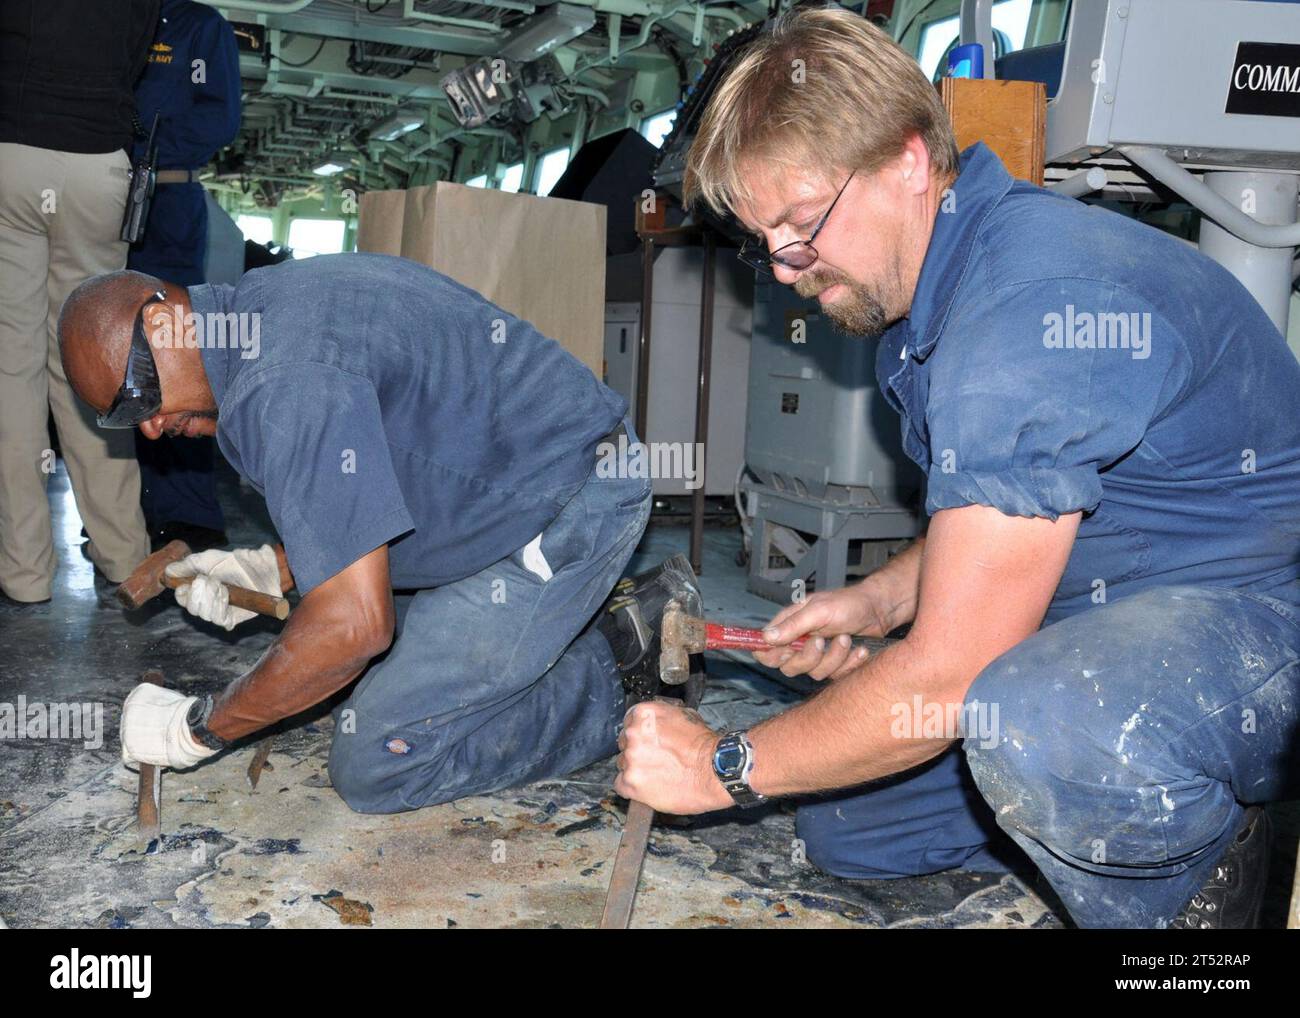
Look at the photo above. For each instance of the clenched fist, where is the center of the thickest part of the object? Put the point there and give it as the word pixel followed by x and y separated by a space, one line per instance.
pixel 829 620
pixel 667 759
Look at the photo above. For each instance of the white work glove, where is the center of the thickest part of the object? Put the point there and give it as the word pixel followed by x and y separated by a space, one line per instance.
pixel 155 729
pixel 208 597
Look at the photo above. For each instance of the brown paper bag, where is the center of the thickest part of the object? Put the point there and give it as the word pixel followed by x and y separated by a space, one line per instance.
pixel 379 222
pixel 541 259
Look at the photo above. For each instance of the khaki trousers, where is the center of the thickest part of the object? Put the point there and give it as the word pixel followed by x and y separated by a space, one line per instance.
pixel 60 213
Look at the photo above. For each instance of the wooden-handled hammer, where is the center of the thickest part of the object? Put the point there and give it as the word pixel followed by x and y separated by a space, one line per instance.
pixel 150 578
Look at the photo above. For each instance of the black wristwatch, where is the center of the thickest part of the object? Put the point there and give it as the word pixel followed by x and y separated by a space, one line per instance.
pixel 733 760
pixel 197 719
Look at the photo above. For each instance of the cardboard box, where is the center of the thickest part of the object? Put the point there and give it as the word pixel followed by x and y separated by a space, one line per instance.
pixel 541 259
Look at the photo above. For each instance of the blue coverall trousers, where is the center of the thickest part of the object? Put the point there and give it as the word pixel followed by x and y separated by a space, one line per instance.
pixel 1129 738
pixel 496 680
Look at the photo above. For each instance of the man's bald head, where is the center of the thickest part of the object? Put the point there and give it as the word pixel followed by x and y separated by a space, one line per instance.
pixel 95 327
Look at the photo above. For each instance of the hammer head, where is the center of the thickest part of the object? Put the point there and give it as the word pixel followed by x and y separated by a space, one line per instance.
pixel 681 634
pixel 146 582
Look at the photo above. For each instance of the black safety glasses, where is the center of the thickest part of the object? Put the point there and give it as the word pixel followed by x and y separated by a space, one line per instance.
pixel 140 396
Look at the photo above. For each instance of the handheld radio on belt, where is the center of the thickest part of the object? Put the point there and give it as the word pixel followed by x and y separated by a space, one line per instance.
pixel 144 174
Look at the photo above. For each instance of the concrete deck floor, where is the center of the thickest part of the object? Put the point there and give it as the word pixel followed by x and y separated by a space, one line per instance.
pixel 291 854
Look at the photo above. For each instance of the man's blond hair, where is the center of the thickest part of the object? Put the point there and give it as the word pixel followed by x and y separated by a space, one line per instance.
pixel 820 88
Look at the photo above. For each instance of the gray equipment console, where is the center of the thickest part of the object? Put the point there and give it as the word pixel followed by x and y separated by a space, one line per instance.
pixel 1153 92
pixel 825 448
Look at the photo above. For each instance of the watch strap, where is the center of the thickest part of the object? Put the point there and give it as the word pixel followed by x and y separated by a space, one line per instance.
pixel 197 719
pixel 736 780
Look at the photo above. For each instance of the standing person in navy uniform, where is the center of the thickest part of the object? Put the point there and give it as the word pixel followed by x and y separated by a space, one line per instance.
pixel 67 71
pixel 192 83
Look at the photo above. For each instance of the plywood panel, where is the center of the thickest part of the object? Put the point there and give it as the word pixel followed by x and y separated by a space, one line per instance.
pixel 1010 117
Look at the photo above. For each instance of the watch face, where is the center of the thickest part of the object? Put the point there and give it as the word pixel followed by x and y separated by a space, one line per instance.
pixel 728 758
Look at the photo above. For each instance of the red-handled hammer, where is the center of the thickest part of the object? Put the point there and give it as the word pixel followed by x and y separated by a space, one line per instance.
pixel 683 634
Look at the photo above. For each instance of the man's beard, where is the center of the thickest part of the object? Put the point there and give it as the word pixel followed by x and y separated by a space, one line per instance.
pixel 859 313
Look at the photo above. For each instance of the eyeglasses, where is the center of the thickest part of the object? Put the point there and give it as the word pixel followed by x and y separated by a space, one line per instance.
pixel 140 396
pixel 798 254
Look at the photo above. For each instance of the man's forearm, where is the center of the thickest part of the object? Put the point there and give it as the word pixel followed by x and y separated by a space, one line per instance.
pixel 280 685
pixel 318 653
pixel 843 736
pixel 895 586
pixel 327 642
pixel 848 732
pixel 986 581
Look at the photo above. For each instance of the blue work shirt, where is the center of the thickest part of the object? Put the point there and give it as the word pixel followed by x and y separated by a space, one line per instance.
pixel 389 403
pixel 197 118
pixel 1179 438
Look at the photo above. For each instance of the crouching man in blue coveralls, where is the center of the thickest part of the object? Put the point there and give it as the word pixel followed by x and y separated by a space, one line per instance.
pixel 407 435
pixel 1105 609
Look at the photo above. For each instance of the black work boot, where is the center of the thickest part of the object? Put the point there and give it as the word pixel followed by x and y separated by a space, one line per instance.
pixel 12 606
pixel 1231 898
pixel 629 621
pixel 197 537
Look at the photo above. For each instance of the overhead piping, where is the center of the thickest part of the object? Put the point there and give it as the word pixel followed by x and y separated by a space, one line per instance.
pixel 1205 201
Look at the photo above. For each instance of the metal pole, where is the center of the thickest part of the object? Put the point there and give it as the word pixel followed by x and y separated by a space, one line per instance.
pixel 149 788
pixel 580 120
pixel 1293 920
pixel 625 874
pixel 643 349
pixel 702 404
pixel 1086 182
pixel 977 26
pixel 1210 203
pixel 1269 198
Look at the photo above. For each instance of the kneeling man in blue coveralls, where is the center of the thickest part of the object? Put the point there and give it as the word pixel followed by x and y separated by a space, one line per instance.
pixel 1102 658
pixel 408 435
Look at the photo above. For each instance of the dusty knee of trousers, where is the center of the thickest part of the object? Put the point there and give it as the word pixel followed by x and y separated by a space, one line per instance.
pixel 1006 744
